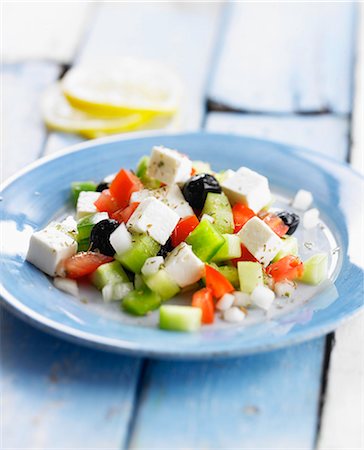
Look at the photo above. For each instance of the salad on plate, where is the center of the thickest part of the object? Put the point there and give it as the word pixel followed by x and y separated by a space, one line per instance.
pixel 175 226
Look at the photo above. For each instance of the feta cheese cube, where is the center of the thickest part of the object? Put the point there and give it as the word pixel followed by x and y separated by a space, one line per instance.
pixel 247 187
pixel 172 196
pixel 225 302
pixel 285 288
pixel 67 285
pixel 152 265
pixel 110 178
pixel 260 240
pixel 48 247
pixel 85 203
pixel 121 239
pixel 69 225
pixel 234 315
pixel 207 217
pixel 311 218
pixel 241 299
pixel 141 195
pixel 184 266
pixel 302 200
pixel 154 218
pixel 116 292
pixel 262 297
pixel 169 166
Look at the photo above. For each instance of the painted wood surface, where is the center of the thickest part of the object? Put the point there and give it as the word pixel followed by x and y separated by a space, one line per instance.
pixel 49 31
pixel 325 134
pixel 287 57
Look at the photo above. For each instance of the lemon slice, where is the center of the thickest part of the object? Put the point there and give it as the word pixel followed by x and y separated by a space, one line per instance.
pixel 128 86
pixel 59 115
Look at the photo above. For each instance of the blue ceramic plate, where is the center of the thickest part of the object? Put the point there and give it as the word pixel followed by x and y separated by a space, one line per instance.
pixel 41 192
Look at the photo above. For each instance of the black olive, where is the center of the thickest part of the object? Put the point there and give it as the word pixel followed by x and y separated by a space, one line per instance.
pixel 166 248
pixel 102 186
pixel 290 219
pixel 100 236
pixel 197 187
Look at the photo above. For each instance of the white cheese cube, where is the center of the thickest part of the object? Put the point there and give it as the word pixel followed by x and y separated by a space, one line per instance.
pixel 311 218
pixel 234 315
pixel 139 196
pixel 69 225
pixel 241 299
pixel 67 285
pixel 152 265
pixel 184 266
pixel 285 288
pixel 260 240
pixel 172 196
pixel 121 239
pixel 225 302
pixel 154 218
pixel 48 247
pixel 262 297
pixel 85 203
pixel 302 200
pixel 169 166
pixel 116 292
pixel 247 187
pixel 109 178
pixel 207 217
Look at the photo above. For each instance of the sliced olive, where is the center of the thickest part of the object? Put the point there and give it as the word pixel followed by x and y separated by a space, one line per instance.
pixel 290 219
pixel 100 236
pixel 166 248
pixel 197 187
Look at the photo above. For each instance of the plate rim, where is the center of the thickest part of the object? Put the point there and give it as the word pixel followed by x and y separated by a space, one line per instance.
pixel 88 339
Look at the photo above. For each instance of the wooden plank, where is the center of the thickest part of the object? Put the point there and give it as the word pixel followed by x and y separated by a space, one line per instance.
pixel 325 134
pixel 43 31
pixel 179 34
pixel 57 395
pixel 265 401
pixel 286 57
pixel 343 413
pixel 23 129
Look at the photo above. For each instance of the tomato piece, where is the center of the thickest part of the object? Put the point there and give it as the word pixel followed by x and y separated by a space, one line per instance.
pixel 241 214
pixel 275 223
pixel 123 185
pixel 124 214
pixel 106 202
pixel 84 263
pixel 217 282
pixel 183 228
pixel 245 256
pixel 203 299
pixel 193 171
pixel 288 268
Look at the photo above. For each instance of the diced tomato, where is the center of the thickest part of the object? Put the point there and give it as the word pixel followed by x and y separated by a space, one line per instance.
pixel 84 263
pixel 123 185
pixel 124 214
pixel 217 282
pixel 183 228
pixel 288 268
pixel 193 171
pixel 203 299
pixel 245 256
pixel 275 223
pixel 241 214
pixel 106 202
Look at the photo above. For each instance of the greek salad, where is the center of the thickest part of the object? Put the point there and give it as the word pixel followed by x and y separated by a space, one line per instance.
pixel 174 225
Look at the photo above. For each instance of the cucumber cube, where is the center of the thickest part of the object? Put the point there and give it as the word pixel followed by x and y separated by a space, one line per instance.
pixel 83 246
pixel 179 318
pixel 205 240
pixel 141 301
pixel 143 248
pixel 289 247
pixel 78 186
pixel 250 276
pixel 109 273
pixel 218 207
pixel 230 249
pixel 231 274
pixel 315 269
pixel 163 284
pixel 141 172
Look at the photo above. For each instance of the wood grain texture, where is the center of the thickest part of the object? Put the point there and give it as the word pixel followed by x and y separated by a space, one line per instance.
pixel 23 129
pixel 57 395
pixel 43 30
pixel 267 401
pixel 180 35
pixel 287 57
pixel 325 134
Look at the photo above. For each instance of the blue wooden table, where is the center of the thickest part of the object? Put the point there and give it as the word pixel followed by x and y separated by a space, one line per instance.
pixel 278 70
